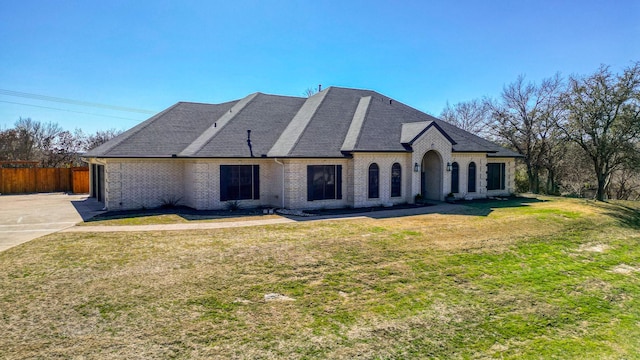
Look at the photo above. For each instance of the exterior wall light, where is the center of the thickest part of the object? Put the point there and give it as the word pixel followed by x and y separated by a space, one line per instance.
pixel 416 168
pixel 448 166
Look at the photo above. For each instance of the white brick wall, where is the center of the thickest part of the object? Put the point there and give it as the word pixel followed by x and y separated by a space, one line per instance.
pixel 481 160
pixel 202 182
pixel 361 163
pixel 463 160
pixel 510 169
pixel 148 183
pixel 296 183
pixel 432 139
pixel 141 183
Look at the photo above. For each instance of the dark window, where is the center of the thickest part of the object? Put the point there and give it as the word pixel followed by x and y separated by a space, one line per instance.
pixel 324 182
pixel 239 182
pixel 374 181
pixel 471 186
pixel 495 176
pixel 396 177
pixel 455 178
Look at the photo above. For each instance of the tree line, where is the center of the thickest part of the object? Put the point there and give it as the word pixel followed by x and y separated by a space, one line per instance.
pixel 576 135
pixel 48 144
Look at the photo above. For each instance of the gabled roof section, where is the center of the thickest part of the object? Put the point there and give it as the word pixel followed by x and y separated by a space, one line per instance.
pixel 291 134
pixel 164 134
pixel 267 116
pixel 218 125
pixel 412 131
pixel 353 133
pixel 468 142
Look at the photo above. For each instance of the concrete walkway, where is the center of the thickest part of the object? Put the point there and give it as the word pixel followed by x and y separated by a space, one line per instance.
pixel 382 214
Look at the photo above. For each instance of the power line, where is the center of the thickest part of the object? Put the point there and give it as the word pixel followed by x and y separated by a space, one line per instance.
pixel 71 101
pixel 73 111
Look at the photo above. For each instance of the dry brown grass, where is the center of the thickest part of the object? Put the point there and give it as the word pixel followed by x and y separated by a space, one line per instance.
pixel 408 287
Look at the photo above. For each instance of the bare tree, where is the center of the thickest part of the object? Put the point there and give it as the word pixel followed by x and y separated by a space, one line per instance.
pixel 603 118
pixel 574 171
pixel 524 119
pixel 65 150
pixel 48 143
pixel 25 147
pixel 100 137
pixel 472 116
pixel 35 139
pixel 9 144
pixel 309 92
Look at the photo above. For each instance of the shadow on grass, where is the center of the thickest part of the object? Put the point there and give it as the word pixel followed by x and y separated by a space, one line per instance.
pixel 188 214
pixel 500 203
pixel 480 207
pixel 626 212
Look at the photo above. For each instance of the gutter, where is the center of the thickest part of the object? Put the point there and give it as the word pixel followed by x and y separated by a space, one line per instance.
pixel 281 164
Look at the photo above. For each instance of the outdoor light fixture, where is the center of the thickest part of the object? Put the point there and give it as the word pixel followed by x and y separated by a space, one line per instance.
pixel 416 168
pixel 448 166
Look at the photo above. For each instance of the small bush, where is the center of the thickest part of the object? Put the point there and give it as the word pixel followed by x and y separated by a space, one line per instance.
pixel 232 205
pixel 170 202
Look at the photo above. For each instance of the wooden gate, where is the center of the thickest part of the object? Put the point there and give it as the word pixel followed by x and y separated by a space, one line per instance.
pixel 80 180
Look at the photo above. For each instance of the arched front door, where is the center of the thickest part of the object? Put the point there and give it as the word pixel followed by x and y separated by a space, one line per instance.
pixel 431 176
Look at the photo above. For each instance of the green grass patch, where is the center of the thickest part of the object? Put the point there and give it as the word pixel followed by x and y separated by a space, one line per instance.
pixel 558 278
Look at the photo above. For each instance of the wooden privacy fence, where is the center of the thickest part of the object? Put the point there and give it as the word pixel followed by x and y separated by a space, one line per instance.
pixel 35 180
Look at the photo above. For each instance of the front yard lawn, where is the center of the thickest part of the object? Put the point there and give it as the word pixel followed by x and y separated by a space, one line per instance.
pixel 558 278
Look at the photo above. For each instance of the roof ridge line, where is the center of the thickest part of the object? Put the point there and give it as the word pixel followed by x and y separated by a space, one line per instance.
pixel 213 129
pixel 108 146
pixel 289 138
pixel 355 128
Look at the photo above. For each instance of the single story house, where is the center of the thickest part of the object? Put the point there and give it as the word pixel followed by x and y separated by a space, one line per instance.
pixel 338 148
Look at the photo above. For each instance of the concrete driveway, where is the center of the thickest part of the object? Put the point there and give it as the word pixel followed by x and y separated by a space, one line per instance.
pixel 26 217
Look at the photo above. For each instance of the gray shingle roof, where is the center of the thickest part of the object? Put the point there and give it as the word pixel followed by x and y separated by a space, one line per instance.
pixel 332 123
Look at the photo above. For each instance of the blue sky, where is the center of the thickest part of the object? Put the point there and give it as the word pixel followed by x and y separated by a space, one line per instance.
pixel 150 55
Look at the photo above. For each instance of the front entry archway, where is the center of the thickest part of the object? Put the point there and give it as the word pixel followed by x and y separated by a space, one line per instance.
pixel 431 176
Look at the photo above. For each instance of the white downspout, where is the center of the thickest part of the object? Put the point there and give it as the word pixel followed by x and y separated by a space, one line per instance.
pixel 282 164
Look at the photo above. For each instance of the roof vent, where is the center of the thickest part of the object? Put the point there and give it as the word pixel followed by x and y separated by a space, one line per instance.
pixel 319 87
pixel 390 101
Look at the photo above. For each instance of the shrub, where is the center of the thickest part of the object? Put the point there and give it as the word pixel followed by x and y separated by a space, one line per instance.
pixel 233 205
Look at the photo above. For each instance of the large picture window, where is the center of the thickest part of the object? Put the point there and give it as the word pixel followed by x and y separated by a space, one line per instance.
pixel 471 179
pixel 495 176
pixel 374 181
pixel 455 178
pixel 396 180
pixel 324 182
pixel 239 182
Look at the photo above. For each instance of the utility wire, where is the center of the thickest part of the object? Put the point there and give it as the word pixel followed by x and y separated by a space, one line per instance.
pixel 73 111
pixel 71 101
